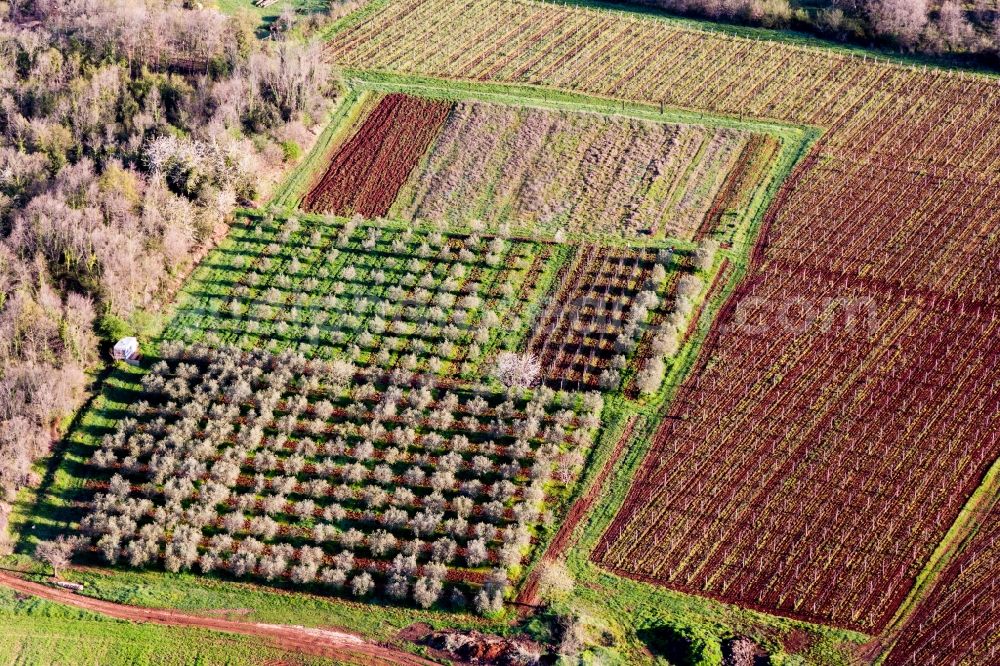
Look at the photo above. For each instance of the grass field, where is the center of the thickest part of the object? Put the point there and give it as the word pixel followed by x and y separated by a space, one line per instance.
pixel 38 632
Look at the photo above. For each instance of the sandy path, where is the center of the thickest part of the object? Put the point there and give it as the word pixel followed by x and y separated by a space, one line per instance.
pixel 529 593
pixel 293 638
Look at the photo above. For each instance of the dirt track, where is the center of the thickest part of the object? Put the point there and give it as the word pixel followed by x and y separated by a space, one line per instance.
pixel 529 593
pixel 293 638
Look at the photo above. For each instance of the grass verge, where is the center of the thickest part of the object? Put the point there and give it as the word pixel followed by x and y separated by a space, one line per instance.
pixel 36 631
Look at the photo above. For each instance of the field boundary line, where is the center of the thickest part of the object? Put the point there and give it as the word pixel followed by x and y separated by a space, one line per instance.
pixel 546 97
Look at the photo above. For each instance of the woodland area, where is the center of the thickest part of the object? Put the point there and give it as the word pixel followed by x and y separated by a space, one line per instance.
pixel 129 131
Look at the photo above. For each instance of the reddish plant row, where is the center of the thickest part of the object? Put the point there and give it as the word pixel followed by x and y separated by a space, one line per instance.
pixel 814 459
pixel 367 170
pixel 958 622
pixel 599 288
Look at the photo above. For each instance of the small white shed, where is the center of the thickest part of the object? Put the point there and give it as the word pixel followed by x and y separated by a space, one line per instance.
pixel 126 349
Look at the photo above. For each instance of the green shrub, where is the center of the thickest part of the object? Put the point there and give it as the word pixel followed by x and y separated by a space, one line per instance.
pixel 683 645
pixel 291 150
pixel 113 328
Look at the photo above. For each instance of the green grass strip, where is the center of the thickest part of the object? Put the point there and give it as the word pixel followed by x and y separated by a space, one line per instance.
pixel 40 632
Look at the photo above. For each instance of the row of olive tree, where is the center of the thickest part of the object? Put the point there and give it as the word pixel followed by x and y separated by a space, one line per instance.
pixel 248 463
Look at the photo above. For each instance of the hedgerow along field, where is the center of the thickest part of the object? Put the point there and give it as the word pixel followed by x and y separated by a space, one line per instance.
pixel 903 179
pixel 541 169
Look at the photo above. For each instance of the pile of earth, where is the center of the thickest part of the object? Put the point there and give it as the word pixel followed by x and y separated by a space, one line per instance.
pixel 475 647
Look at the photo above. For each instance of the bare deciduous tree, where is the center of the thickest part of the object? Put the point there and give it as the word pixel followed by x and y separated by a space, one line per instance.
pixel 58 553
pixel 902 20
pixel 517 370
pixel 555 581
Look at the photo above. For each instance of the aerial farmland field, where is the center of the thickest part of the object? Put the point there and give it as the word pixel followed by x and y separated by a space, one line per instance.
pixel 855 371
pixel 376 294
pixel 565 334
pixel 546 170
pixel 632 176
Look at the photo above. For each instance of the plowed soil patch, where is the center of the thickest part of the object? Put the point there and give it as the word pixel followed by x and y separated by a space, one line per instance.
pixel 367 170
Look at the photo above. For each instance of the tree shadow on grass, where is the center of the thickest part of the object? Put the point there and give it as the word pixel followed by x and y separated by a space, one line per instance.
pixel 681 645
pixel 59 502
